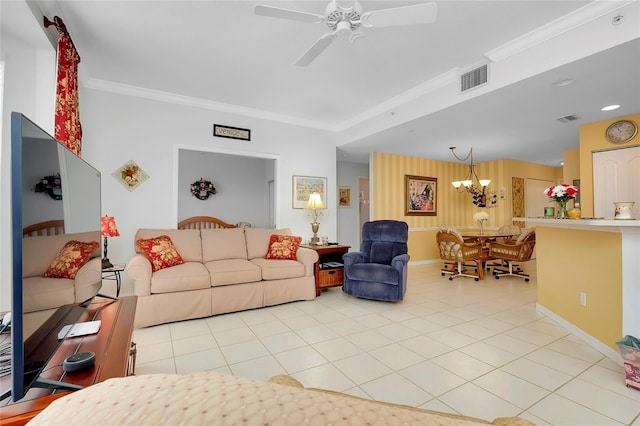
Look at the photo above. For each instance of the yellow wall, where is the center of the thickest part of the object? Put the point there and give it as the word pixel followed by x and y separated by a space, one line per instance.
pixel 568 265
pixel 452 208
pixel 592 139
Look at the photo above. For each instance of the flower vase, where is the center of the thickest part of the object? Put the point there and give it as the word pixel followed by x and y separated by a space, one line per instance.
pixel 481 227
pixel 562 209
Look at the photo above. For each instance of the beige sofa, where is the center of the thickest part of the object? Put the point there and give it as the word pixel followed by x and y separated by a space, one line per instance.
pixel 42 295
pixel 224 270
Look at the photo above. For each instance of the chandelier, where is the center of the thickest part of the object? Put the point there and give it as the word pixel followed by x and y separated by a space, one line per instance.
pixel 481 195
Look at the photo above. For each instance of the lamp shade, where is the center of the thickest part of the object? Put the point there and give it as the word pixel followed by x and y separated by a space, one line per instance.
pixel 315 201
pixel 108 227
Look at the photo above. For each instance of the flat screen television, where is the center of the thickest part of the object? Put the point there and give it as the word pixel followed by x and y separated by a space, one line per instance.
pixel 48 182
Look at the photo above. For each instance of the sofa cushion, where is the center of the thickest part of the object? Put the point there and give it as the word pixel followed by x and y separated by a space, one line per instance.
pixel 70 259
pixel 47 293
pixel 258 240
pixel 186 241
pixel 187 276
pixel 273 269
pixel 232 271
pixel 283 247
pixel 160 251
pixel 218 244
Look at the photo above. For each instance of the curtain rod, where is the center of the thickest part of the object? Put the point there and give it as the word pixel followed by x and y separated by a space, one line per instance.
pixel 61 27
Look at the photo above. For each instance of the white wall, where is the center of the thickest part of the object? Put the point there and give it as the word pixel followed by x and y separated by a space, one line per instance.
pixel 118 128
pixel 29 87
pixel 348 217
pixel 242 193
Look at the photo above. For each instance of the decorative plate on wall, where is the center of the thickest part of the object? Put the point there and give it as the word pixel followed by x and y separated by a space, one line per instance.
pixel 130 175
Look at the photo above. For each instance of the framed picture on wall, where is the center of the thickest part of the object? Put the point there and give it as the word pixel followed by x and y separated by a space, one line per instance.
pixel 576 183
pixel 420 195
pixel 303 186
pixel 344 196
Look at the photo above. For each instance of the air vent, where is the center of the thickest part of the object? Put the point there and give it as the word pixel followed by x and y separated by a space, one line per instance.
pixel 568 118
pixel 474 78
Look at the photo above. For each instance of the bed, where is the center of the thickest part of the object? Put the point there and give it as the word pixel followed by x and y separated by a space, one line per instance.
pixel 204 222
pixel 44 229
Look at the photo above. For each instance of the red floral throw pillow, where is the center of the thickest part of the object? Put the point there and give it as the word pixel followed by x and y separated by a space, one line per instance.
pixel 70 259
pixel 283 247
pixel 160 252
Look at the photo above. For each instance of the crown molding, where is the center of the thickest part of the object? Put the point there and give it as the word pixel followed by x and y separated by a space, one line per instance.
pixel 438 82
pixel 557 27
pixel 161 96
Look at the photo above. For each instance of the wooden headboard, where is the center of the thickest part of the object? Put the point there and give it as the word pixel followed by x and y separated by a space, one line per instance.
pixel 203 222
pixel 44 229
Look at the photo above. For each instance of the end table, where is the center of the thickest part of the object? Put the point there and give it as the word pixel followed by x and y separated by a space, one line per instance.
pixel 329 269
pixel 113 273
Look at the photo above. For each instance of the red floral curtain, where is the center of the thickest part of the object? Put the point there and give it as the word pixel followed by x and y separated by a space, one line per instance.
pixel 67 117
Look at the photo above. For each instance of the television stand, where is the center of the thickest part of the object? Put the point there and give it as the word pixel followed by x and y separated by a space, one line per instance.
pixel 112 346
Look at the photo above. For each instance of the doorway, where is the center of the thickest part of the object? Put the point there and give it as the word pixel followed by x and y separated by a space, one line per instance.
pixel 364 203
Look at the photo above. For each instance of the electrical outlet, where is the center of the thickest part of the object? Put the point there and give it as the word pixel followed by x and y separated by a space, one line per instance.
pixel 583 298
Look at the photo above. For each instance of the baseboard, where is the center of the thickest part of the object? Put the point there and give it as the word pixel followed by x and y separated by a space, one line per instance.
pixel 423 262
pixel 582 335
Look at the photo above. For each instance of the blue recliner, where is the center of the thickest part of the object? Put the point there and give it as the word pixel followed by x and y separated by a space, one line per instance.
pixel 379 270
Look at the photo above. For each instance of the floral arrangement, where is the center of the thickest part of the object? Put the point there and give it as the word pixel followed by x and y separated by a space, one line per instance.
pixel 561 193
pixel 481 217
pixel 201 189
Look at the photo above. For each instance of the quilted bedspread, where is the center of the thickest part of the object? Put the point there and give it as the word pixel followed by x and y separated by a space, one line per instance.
pixel 210 398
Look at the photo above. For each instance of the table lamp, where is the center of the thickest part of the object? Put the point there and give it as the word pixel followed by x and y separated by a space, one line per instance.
pixel 315 203
pixel 108 229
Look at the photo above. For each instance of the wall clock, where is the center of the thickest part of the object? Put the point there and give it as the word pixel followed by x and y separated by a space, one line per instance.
pixel 621 131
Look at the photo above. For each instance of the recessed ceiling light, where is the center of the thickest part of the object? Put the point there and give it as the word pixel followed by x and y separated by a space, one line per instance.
pixel 609 107
pixel 562 82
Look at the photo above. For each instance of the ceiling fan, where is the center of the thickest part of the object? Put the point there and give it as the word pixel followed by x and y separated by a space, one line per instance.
pixel 346 20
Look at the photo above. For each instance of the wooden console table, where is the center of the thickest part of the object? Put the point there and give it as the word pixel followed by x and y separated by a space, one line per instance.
pixel 328 276
pixel 115 354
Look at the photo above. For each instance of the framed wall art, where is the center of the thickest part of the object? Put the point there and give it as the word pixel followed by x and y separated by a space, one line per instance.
pixel 344 196
pixel 130 175
pixel 303 186
pixel 420 195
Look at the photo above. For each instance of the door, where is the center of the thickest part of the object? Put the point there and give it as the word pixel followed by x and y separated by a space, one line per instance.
pixel 535 199
pixel 616 177
pixel 363 204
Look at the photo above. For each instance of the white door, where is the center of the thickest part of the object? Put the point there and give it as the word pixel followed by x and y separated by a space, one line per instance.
pixel 534 198
pixel 616 177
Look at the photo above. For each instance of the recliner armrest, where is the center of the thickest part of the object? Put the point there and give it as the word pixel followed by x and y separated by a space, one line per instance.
pixel 352 258
pixel 400 261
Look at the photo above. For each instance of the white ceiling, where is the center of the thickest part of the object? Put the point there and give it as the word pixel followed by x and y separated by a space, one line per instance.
pixel 221 53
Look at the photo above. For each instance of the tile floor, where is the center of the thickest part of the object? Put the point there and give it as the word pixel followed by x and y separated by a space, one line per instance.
pixel 475 348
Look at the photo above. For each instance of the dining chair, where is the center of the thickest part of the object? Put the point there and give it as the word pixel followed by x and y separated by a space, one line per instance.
pixel 459 257
pixel 520 251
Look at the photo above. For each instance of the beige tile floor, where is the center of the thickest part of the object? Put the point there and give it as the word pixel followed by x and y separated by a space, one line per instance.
pixel 475 348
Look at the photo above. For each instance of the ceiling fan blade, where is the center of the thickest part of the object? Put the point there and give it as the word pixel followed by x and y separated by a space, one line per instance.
pixel 425 13
pixel 315 50
pixel 277 12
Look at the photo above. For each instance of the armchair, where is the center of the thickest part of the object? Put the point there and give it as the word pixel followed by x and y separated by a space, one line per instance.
pixel 379 270
pixel 457 254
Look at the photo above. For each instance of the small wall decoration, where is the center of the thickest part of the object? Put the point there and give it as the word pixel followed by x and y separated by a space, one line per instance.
pixel 420 195
pixel 201 189
pixel 303 186
pixel 344 196
pixel 231 132
pixel 130 175
pixel 51 185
